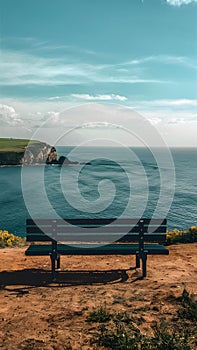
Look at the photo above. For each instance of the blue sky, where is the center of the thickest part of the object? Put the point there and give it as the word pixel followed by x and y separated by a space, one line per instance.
pixel 60 54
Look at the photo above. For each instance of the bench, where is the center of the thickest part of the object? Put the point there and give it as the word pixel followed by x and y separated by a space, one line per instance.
pixel 139 237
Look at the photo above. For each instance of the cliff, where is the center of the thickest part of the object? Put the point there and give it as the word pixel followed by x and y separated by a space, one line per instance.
pixel 11 158
pixel 18 152
pixel 37 153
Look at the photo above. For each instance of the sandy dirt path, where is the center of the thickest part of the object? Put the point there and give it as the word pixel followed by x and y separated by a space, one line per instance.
pixel 38 314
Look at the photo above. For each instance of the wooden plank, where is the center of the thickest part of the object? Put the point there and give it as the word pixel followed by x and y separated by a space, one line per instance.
pixel 98 221
pixel 95 238
pixel 69 221
pixel 111 228
pixel 154 229
pixel 38 238
pixel 147 238
pixel 155 222
pixel 94 230
pixel 38 250
pixel 43 230
pixel 111 249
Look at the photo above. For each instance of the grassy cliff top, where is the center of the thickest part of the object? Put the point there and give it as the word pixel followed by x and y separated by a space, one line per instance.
pixel 15 145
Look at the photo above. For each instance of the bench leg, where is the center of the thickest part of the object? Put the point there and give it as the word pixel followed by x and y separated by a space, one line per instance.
pixel 144 259
pixel 58 262
pixel 53 268
pixel 137 260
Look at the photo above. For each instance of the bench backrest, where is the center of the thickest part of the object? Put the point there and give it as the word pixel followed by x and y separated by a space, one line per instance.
pixel 96 230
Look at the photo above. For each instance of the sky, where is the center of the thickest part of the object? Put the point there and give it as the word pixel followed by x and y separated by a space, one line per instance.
pixel 82 56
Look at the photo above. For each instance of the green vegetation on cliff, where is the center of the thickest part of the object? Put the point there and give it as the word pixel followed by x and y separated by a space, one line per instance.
pixel 15 145
pixel 21 151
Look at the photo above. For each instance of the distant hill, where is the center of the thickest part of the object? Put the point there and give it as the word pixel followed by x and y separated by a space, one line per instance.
pixel 21 151
pixel 15 145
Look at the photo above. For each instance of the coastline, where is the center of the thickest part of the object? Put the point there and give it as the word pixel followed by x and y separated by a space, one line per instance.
pixel 16 152
pixel 19 151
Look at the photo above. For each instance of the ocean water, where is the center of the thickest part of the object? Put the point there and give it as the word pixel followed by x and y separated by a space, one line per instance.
pixel 108 182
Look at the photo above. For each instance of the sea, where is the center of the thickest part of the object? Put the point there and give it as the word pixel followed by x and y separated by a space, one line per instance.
pixel 104 182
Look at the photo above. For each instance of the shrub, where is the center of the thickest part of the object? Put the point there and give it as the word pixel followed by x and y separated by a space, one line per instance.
pixel 189 307
pixel 124 337
pixel 120 332
pixel 186 236
pixel 119 338
pixel 167 338
pixel 100 315
pixel 10 240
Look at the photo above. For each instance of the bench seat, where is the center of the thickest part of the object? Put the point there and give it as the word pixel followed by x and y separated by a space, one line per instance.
pixel 110 249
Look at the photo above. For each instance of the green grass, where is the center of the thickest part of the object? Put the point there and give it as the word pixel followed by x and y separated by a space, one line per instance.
pixel 121 336
pixel 99 315
pixel 119 331
pixel 118 336
pixel 14 145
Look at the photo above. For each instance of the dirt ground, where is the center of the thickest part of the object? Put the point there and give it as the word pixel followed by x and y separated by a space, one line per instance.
pixel 38 314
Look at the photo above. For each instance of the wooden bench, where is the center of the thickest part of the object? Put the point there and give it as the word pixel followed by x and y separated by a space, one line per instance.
pixel 139 237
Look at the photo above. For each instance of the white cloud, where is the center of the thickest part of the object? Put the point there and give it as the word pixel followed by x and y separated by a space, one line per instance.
pixel 180 2
pixel 21 69
pixel 154 120
pixel 53 116
pixel 98 125
pixel 53 98
pixel 8 116
pixel 110 97
pixel 165 112
pixel 17 68
pixel 164 59
pixel 165 116
pixel 177 121
pixel 177 125
pixel 171 103
pixel 182 102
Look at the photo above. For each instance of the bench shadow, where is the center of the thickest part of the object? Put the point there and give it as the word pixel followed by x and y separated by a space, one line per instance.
pixel 39 277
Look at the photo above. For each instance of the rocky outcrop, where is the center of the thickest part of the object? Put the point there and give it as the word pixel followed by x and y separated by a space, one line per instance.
pixel 52 157
pixel 65 161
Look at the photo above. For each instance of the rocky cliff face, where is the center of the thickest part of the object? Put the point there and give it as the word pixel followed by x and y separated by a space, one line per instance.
pixel 11 158
pixel 34 153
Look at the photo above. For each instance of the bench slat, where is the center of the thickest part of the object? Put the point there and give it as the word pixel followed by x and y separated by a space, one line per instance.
pixel 105 221
pixel 94 230
pixel 96 238
pixel 111 249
